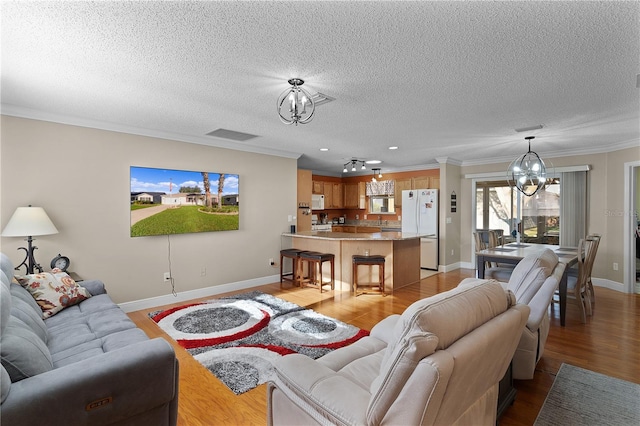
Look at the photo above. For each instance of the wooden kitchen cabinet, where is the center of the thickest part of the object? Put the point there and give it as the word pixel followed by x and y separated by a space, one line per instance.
pixel 333 195
pixel 426 182
pixel 400 185
pixel 317 187
pixel 355 195
pixel 328 194
pixel 421 182
pixel 338 195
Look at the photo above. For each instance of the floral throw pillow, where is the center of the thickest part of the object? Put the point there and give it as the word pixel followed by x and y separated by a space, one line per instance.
pixel 53 291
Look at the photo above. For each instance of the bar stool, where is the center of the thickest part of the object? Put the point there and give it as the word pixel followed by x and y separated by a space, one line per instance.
pixel 368 260
pixel 315 260
pixel 295 275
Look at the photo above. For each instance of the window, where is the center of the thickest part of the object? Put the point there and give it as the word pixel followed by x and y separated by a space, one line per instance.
pixel 382 204
pixel 496 208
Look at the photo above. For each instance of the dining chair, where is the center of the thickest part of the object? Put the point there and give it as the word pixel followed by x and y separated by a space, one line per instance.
pixel 596 239
pixel 574 272
pixel 480 244
pixel 577 291
pixel 489 238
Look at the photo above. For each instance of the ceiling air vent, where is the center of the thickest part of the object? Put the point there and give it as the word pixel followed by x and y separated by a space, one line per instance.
pixel 231 134
pixel 530 128
pixel 320 98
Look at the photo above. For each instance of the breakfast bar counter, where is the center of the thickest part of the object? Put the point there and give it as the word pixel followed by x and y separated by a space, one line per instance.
pixel 400 249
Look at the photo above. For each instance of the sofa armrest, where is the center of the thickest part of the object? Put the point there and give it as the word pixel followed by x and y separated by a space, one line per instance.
pixel 100 390
pixel 539 303
pixel 384 329
pixel 94 287
pixel 301 378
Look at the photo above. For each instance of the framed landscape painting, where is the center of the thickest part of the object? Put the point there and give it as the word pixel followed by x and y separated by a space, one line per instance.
pixel 167 201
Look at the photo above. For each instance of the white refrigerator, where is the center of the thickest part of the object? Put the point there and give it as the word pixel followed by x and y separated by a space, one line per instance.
pixel 420 215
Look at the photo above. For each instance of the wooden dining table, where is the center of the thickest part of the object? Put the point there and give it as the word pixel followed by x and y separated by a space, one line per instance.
pixel 514 252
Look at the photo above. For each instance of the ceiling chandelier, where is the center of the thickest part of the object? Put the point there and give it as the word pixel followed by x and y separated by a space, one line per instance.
pixel 527 172
pixel 376 172
pixel 353 163
pixel 295 105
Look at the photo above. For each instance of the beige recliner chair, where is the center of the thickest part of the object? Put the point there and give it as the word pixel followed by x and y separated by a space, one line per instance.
pixel 439 362
pixel 533 281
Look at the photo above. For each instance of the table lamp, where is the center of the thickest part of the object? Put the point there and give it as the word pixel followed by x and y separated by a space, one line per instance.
pixel 27 222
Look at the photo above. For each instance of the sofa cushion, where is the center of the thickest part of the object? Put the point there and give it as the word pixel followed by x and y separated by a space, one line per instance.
pixel 5 384
pixel 475 302
pixel 5 307
pixel 530 273
pixel 19 292
pixel 6 266
pixel 22 310
pixel 23 354
pixel 396 370
pixel 53 291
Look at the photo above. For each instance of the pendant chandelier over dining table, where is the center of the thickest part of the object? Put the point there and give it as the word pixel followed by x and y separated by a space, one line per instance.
pixel 528 172
pixel 295 105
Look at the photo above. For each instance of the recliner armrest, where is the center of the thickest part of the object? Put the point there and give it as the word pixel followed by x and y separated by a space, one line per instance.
pixel 539 303
pixel 101 390
pixel 301 378
pixel 384 329
pixel 94 287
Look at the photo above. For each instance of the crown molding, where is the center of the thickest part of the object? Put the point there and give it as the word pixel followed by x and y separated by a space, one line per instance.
pixel 20 112
pixel 632 143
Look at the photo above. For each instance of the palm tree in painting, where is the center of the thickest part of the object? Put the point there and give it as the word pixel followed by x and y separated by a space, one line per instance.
pixel 207 189
pixel 220 186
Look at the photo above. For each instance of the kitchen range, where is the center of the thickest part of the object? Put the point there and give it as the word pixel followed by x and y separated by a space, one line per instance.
pixel 321 224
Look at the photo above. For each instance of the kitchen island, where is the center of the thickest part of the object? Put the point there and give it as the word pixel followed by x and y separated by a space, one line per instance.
pixel 400 249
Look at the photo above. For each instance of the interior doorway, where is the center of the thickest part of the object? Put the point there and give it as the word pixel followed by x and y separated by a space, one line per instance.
pixel 632 226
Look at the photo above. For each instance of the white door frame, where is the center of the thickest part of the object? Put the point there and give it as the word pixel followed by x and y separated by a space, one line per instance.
pixel 629 225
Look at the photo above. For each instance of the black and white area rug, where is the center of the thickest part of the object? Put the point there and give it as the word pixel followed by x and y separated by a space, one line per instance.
pixel 237 337
pixel 583 397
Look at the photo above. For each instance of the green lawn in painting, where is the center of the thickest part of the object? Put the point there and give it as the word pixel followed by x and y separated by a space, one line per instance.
pixel 185 219
pixel 141 206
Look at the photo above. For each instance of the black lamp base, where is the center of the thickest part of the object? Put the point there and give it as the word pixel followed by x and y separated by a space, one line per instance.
pixel 29 261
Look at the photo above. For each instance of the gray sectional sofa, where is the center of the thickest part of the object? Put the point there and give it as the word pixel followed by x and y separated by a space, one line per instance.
pixel 86 365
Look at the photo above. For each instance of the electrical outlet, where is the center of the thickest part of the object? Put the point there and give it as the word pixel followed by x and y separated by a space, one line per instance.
pixel 203 272
pixel 271 262
pixel 615 266
pixel 451 252
pixel 167 276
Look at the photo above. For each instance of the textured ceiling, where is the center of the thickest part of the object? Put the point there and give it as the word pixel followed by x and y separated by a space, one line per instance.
pixel 437 79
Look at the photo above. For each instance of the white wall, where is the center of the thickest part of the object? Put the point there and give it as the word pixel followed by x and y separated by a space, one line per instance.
pixel 81 178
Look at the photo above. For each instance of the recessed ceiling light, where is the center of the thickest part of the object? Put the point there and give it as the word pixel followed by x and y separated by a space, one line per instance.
pixel 393 147
pixel 324 149
pixel 373 161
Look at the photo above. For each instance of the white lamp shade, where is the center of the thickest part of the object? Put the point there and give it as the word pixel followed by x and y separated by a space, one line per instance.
pixel 29 221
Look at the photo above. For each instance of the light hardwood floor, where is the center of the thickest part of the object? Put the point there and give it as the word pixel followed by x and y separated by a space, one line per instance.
pixel 608 343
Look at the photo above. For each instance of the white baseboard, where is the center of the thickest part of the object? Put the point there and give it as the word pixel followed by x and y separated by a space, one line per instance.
pixel 612 285
pixel 168 299
pixel 467 265
pixel 449 268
